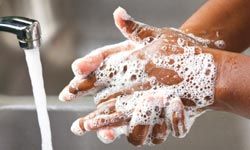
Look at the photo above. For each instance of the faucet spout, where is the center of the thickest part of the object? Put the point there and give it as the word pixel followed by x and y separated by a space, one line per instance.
pixel 27 30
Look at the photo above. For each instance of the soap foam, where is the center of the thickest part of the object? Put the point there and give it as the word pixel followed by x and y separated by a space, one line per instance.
pixel 198 72
pixel 126 69
pixel 220 44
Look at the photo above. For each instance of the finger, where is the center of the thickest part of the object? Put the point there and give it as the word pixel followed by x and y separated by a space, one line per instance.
pixel 84 66
pixel 101 121
pixel 178 124
pixel 138 135
pixel 78 126
pixel 147 113
pixel 107 94
pixel 178 118
pixel 159 133
pixel 132 29
pixel 98 122
pixel 112 106
pixel 103 109
pixel 78 87
pixel 108 135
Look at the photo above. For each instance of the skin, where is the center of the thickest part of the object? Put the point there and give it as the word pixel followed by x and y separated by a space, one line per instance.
pixel 230 19
pixel 231 89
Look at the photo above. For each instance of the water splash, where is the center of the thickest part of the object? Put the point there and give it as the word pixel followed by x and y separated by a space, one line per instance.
pixel 36 76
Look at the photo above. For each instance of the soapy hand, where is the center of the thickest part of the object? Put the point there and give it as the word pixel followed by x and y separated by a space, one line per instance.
pixel 156 82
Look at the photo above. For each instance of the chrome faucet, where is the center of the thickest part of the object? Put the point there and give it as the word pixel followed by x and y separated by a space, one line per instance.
pixel 27 30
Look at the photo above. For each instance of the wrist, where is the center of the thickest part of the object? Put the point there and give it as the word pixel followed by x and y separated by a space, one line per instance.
pixel 220 90
pixel 221 20
pixel 232 83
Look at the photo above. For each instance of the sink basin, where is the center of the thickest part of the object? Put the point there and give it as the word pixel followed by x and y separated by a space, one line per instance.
pixel 19 129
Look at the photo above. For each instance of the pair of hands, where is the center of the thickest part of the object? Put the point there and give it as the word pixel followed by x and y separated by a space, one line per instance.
pixel 155 83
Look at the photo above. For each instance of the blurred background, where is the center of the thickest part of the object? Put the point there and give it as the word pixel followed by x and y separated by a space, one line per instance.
pixel 71 29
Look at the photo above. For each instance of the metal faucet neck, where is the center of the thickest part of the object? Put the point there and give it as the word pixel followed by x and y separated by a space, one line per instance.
pixel 27 30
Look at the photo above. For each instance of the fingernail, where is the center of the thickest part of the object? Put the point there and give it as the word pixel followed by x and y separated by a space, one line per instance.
pixel 76 128
pixel 65 95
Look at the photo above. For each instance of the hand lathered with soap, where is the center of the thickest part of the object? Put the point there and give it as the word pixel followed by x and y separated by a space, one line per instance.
pixel 153 84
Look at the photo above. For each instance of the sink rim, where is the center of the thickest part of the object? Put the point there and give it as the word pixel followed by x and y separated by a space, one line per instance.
pixel 53 103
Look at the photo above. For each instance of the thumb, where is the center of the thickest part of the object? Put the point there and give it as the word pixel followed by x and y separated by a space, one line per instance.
pixel 134 30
